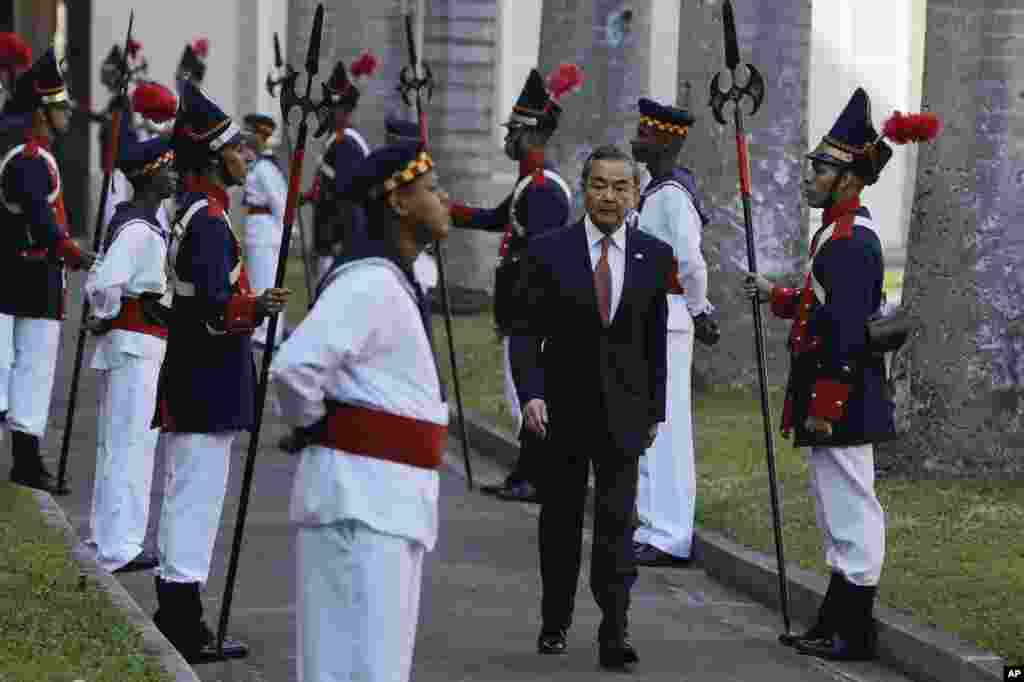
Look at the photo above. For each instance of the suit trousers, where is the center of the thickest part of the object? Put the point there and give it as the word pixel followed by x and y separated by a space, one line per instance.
pixel 563 495
pixel 30 382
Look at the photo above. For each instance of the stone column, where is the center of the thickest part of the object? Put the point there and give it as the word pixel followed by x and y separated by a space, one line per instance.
pixel 960 379
pixel 459 47
pixel 775 38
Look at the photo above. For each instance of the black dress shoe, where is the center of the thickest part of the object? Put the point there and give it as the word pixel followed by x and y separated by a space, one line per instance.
pixel 145 560
pixel 617 654
pixel 836 649
pixel 519 492
pixel 233 648
pixel 811 635
pixel 551 642
pixel 649 555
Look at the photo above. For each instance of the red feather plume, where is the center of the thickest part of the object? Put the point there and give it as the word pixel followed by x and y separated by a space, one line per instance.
pixel 201 47
pixel 567 78
pixel 14 51
pixel 903 128
pixel 134 47
pixel 154 101
pixel 364 66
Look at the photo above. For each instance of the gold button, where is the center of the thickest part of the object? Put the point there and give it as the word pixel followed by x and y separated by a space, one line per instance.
pixel 814 395
pixel 839 403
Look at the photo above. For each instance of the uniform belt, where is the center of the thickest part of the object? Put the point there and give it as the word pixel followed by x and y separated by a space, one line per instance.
pixel 382 435
pixel 132 319
pixel 259 210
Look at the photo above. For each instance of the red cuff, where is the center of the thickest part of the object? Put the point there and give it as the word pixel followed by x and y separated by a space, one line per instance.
pixel 460 213
pixel 69 252
pixel 241 315
pixel 784 301
pixel 828 400
pixel 533 163
pixel 674 285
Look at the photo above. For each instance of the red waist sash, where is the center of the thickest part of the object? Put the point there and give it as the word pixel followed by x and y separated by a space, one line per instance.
pixel 131 319
pixel 259 210
pixel 381 435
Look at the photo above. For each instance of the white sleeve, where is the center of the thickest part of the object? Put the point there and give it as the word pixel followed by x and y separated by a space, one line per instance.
pixel 133 258
pixel 678 220
pixel 275 188
pixel 344 325
pixel 120 191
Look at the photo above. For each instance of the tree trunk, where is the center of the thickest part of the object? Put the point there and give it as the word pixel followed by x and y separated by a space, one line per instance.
pixel 960 399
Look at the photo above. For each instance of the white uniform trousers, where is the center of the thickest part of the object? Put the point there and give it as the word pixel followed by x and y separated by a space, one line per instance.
pixel 261 265
pixel 126 451
pixel 667 484
pixel 6 359
pixel 511 395
pixel 30 385
pixel 358 603
pixel 850 517
pixel 197 478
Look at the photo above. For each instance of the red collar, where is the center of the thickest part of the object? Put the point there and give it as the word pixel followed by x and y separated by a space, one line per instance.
pixel 34 142
pixel 533 162
pixel 202 185
pixel 836 211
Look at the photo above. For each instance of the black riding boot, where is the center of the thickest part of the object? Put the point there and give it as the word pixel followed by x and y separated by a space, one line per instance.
pixel 855 638
pixel 180 619
pixel 28 469
pixel 824 627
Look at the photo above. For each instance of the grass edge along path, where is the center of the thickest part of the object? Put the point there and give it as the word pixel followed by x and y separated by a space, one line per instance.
pixel 955 549
pixel 56 624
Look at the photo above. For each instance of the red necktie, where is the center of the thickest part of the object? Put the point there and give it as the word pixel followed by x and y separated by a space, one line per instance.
pixel 603 283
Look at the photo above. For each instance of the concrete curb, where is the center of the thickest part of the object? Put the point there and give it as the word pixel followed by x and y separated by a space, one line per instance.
pixel 153 642
pixel 921 652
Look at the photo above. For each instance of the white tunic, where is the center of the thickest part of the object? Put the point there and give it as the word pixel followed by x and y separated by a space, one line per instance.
pixel 133 265
pixel 669 215
pixel 265 186
pixel 363 343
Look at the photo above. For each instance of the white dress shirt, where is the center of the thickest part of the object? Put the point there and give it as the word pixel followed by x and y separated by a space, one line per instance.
pixel 364 344
pixel 616 259
pixel 265 186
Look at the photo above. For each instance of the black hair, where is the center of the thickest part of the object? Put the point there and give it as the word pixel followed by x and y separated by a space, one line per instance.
pixel 607 152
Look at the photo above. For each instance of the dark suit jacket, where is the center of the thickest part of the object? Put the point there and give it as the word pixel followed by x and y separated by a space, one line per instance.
pixel 586 373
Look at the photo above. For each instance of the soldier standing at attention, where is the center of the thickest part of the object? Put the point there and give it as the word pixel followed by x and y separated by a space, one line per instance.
pixel 266 192
pixel 836 402
pixel 34 250
pixel 207 387
pixel 360 379
pixel 129 301
pixel 540 202
pixel 670 209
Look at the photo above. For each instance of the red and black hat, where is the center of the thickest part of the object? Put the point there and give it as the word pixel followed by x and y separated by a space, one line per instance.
pixel 41 85
pixel 201 130
pixel 154 102
pixel 854 143
pixel 340 89
pixel 539 105
pixel 193 61
pixel 15 53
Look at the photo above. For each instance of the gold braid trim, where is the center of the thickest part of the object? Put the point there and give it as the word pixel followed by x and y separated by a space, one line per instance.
pixel 153 166
pixel 674 128
pixel 415 168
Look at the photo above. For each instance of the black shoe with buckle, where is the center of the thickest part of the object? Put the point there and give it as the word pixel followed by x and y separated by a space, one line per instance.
pixel 551 642
pixel 649 555
pixel 144 561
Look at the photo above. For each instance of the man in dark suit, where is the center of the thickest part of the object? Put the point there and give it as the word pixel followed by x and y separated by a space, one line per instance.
pixel 594 387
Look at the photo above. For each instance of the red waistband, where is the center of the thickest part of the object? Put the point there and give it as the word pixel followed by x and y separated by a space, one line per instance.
pixel 131 319
pixel 35 254
pixel 381 435
pixel 259 210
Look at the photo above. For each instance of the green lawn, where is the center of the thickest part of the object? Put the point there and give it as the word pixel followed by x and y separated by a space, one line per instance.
pixel 55 626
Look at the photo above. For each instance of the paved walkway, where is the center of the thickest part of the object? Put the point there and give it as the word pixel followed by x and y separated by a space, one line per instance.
pixel 481 592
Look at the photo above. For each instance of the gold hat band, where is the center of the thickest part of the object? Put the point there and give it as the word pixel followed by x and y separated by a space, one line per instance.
pixel 673 128
pixel 415 168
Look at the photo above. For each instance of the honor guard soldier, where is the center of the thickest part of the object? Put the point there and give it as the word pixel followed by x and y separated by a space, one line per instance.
pixel 335 220
pixel 671 210
pixel 207 386
pixel 110 76
pixel 15 57
pixel 266 192
pixel 374 415
pixel 539 202
pixel 34 252
pixel 398 130
pixel 836 398
pixel 129 305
